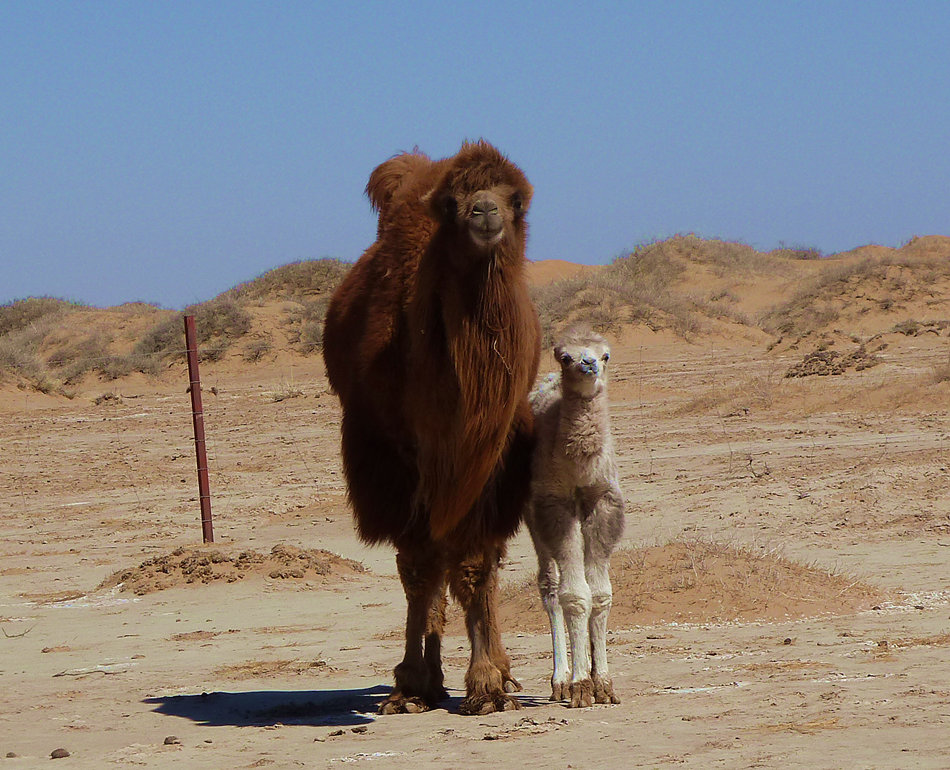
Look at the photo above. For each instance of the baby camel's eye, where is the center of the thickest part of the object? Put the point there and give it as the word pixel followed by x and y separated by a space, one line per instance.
pixel 605 357
pixel 565 358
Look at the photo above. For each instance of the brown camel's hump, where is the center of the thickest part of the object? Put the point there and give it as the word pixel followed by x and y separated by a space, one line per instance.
pixel 389 179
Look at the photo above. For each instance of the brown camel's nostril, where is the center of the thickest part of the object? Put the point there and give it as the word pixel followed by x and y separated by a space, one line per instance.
pixel 486 222
pixel 484 207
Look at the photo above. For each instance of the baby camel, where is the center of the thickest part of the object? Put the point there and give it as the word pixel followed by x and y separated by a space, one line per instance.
pixel 576 515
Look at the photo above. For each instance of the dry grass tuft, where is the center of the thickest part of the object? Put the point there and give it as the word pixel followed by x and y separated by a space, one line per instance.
pixel 292 281
pixel 218 324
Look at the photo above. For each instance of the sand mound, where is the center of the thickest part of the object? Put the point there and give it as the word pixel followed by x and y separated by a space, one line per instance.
pixel 696 582
pixel 199 565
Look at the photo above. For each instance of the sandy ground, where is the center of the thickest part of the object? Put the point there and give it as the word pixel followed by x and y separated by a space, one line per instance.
pixel 835 476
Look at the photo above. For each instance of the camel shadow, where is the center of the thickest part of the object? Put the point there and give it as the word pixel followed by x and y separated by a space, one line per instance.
pixel 317 708
pixel 260 708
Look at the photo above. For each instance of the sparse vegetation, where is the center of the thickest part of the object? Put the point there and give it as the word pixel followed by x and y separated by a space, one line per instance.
pixel 256 350
pixel 23 313
pixel 306 324
pixel 284 390
pixel 52 345
pixel 292 281
pixel 218 324
pixel 797 252
pixel 857 285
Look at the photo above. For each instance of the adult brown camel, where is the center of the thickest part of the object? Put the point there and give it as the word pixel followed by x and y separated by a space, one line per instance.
pixel 432 344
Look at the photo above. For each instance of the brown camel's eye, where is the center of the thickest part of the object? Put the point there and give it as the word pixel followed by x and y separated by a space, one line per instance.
pixel 450 207
pixel 517 204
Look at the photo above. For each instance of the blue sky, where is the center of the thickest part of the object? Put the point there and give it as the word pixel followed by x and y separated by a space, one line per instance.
pixel 166 151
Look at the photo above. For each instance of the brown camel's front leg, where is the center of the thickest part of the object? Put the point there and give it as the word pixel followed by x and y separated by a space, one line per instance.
pixel 474 583
pixel 435 624
pixel 419 682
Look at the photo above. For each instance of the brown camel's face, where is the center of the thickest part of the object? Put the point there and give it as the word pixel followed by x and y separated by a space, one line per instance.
pixel 583 365
pixel 488 216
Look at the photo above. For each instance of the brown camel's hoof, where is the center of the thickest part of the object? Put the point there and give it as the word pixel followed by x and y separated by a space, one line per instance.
pixel 604 691
pixel 400 704
pixel 560 691
pixel 512 684
pixel 479 705
pixel 582 694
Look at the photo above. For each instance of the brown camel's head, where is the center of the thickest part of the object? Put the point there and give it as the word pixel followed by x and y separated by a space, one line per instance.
pixel 480 201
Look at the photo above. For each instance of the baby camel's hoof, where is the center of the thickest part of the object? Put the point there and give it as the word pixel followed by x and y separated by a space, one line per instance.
pixel 479 705
pixel 560 691
pixel 399 704
pixel 582 694
pixel 604 692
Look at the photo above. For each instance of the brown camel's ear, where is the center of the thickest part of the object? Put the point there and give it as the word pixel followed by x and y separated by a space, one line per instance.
pixel 441 204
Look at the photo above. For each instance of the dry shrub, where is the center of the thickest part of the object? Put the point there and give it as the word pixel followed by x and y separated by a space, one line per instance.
pixel 218 324
pixel 646 286
pixel 22 313
pixel 894 278
pixel 25 326
pixel 308 283
pixel 797 252
pixel 633 289
pixel 294 280
pixel 284 390
pixel 305 324
pixel 255 350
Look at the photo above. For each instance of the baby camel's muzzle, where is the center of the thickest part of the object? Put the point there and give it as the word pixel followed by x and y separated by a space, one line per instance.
pixel 588 365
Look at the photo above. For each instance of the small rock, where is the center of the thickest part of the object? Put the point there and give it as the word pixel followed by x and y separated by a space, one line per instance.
pixel 12 755
pixel 788 640
pixel 360 729
pixel 334 733
pixel 172 740
pixel 58 754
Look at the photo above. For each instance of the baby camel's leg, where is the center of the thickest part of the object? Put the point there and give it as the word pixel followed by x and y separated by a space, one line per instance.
pixel 601 600
pixel 602 529
pixel 560 529
pixel 548 581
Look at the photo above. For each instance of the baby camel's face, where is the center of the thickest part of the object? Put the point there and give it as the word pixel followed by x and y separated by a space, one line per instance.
pixel 583 366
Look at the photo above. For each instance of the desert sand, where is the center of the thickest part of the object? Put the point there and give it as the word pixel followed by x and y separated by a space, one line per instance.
pixel 782 596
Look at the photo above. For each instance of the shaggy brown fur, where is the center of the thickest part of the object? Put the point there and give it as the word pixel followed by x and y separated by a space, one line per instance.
pixel 432 344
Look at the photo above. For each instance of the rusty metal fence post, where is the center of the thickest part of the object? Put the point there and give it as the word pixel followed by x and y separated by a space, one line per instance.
pixel 197 413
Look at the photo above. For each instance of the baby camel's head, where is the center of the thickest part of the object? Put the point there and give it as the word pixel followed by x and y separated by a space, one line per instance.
pixel 583 356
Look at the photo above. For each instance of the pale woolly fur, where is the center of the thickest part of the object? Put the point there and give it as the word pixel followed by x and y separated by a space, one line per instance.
pixel 576 515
